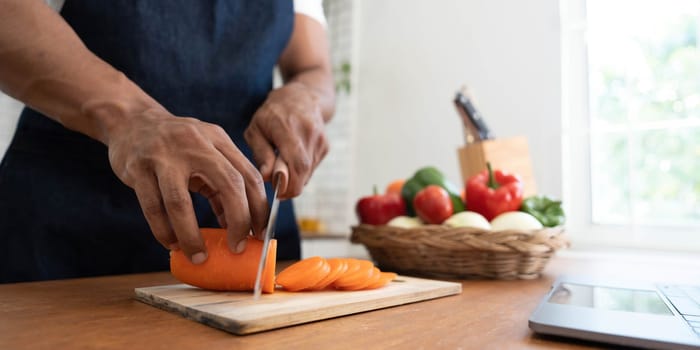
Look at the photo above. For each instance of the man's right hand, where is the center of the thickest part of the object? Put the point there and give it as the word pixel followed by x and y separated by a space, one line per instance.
pixel 163 157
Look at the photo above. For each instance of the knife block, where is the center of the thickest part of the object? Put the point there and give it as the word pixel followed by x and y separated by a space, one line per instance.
pixel 509 154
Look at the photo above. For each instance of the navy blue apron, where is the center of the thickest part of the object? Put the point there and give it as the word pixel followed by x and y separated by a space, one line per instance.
pixel 63 212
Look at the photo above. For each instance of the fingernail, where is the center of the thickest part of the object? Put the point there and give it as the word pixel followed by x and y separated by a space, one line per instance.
pixel 263 169
pixel 240 247
pixel 199 258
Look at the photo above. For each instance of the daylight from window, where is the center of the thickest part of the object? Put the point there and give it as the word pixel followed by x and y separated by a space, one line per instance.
pixel 644 93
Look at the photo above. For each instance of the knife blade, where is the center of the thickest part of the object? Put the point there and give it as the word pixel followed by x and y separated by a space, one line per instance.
pixel 278 179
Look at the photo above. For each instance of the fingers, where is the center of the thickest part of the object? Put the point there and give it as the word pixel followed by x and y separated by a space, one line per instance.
pixel 297 146
pixel 322 147
pixel 151 203
pixel 252 181
pixel 231 193
pixel 302 153
pixel 178 204
pixel 224 187
pixel 165 158
pixel 199 184
pixel 218 210
pixel 263 150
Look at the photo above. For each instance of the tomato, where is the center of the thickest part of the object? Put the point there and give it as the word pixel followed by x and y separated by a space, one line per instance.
pixel 433 204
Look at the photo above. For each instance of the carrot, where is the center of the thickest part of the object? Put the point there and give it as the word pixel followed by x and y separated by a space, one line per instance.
pixel 304 274
pixel 338 267
pixel 224 270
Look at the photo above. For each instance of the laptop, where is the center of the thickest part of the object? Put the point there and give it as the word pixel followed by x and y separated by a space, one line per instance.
pixel 629 313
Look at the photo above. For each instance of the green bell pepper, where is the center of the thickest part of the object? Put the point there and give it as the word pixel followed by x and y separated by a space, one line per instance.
pixel 545 210
pixel 425 177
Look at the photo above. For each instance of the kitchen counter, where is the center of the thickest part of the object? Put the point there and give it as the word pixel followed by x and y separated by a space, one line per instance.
pixel 102 313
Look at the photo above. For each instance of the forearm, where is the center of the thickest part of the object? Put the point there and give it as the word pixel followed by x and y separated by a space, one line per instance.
pixel 44 64
pixel 306 60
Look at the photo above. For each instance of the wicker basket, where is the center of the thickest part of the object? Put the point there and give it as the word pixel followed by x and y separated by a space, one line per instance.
pixel 445 252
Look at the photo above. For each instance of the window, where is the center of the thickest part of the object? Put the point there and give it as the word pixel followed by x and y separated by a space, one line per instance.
pixel 631 79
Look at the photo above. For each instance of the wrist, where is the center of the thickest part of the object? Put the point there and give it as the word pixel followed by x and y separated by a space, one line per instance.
pixel 319 97
pixel 114 110
pixel 309 91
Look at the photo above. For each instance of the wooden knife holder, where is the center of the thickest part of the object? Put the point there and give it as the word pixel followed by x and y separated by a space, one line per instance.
pixel 507 154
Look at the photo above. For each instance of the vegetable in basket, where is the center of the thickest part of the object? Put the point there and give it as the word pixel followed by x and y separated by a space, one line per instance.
pixel 429 176
pixel 468 219
pixel 405 222
pixel 491 193
pixel 378 209
pixel 433 204
pixel 515 220
pixel 545 210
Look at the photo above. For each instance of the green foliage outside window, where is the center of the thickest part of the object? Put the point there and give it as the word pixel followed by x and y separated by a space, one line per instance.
pixel 645 140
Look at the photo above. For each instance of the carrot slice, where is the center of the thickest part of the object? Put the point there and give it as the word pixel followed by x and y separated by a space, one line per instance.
pixel 304 274
pixel 385 277
pixel 357 273
pixel 338 267
pixel 373 277
pixel 224 270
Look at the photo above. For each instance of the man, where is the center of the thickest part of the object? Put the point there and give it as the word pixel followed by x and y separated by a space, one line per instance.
pixel 179 93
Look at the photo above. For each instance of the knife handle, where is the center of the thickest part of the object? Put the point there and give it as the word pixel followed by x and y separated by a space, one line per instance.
pixel 471 133
pixel 280 175
pixel 464 101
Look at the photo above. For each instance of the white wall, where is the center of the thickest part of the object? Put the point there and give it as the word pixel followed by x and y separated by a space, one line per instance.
pixel 414 55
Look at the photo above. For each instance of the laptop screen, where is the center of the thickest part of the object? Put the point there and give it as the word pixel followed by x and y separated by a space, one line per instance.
pixel 619 299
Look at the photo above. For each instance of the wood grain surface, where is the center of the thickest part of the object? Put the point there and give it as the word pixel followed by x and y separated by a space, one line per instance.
pixel 238 313
pixel 102 313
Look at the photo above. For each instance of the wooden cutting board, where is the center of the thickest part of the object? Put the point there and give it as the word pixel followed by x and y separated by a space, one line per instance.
pixel 238 313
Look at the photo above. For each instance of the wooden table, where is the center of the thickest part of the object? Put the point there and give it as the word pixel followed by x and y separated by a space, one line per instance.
pixel 101 313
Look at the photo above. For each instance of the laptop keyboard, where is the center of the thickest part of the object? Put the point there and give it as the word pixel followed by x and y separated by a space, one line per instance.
pixel 686 300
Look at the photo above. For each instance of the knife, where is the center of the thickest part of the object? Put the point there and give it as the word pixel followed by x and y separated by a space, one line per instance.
pixel 279 181
pixel 473 121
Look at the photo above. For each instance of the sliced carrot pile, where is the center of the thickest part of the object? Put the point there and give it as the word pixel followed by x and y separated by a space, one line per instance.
pixel 317 273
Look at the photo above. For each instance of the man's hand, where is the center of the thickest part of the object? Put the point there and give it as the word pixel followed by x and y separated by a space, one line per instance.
pixel 162 156
pixel 291 122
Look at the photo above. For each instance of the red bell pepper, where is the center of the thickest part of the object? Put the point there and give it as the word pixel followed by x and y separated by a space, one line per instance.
pixel 491 193
pixel 379 209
